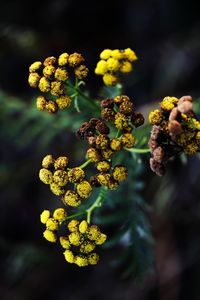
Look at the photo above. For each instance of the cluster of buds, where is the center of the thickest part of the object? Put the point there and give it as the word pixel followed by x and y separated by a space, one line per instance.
pixel 119 111
pixel 55 172
pixel 50 78
pixel 114 62
pixel 175 130
pixel 81 242
pixel 52 223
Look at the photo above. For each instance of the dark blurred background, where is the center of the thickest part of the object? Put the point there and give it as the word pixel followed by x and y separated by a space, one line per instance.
pixel 165 36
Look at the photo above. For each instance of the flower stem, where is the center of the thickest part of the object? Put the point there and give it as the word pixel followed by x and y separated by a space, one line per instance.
pixel 87 162
pixel 76 215
pixel 97 203
pixel 137 150
pixel 77 91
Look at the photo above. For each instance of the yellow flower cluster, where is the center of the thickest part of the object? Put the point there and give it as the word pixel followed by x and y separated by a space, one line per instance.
pixel 52 223
pixel 51 76
pixel 175 129
pixel 55 172
pixel 80 243
pixel 114 62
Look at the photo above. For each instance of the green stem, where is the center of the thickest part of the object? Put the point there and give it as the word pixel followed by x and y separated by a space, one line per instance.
pixel 79 92
pixel 118 133
pixel 87 162
pixel 97 203
pixel 137 150
pixel 76 215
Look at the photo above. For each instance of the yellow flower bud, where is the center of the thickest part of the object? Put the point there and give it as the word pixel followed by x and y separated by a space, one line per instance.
pixel 41 103
pixel 65 242
pixel 155 117
pixel 48 71
pixel 49 236
pixel 71 198
pixel 76 238
pixel 81 72
pixel 44 85
pixel 35 66
pixel 64 101
pixel 75 59
pixel 33 79
pixel 105 54
pixel 128 140
pixel 76 175
pixel 61 163
pixel 113 64
pixel 73 225
pixel 120 173
pixel 69 256
pixel 63 59
pixel 103 166
pixel 93 233
pixel 93 258
pixel 56 189
pixel 60 177
pixel 59 214
pixel 130 54
pixel 52 224
pixel 101 67
pixel 51 107
pixel 45 215
pixel 84 189
pixel 61 74
pixel 80 261
pixel 115 144
pixel 46 176
pixel 83 226
pixel 101 239
pixel 110 79
pixel 57 88
pixel 87 247
pixel 126 67
pixel 121 121
pixel 47 161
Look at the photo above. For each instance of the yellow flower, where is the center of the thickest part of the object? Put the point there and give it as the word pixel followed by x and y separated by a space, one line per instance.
pixel 63 59
pixel 51 60
pixel 83 226
pixel 69 256
pixel 103 178
pixel 60 177
pixel 110 79
pixel 155 117
pixel 102 141
pixel 84 189
pixel 33 79
pixel 120 173
pixel 93 258
pixel 87 247
pixel 118 54
pixel 57 88
pixel 168 103
pixel 41 103
pixel 71 198
pixel 75 59
pixel 93 233
pixel 81 72
pixel 56 189
pixel 35 66
pixel 45 215
pixel 130 54
pixel 105 54
pixel 191 148
pixel 93 154
pixel 101 67
pixel 47 161
pixel 65 242
pixel 128 140
pixel 116 144
pixel 61 163
pixel 76 238
pixel 121 121
pixel 113 64
pixel 80 261
pixel 59 214
pixel 49 236
pixel 52 224
pixel 101 239
pixel 46 176
pixel 44 85
pixel 61 74
pixel 64 101
pixel 103 166
pixel 48 71
pixel 107 153
pixel 126 67
pixel 73 225
pixel 76 175
pixel 51 107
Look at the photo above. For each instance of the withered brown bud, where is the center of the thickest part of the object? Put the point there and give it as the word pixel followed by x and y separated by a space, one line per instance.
pixel 120 99
pixel 108 114
pixel 83 130
pixel 174 128
pixel 185 98
pixel 102 127
pixel 108 103
pixel 152 144
pixel 137 119
pixel 155 132
pixel 126 107
pixel 158 154
pixel 93 122
pixel 49 61
pixel 185 107
pixel 173 114
pixel 156 167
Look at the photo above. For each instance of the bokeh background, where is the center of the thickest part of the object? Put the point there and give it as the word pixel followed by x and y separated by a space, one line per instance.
pixel 165 36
